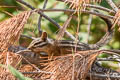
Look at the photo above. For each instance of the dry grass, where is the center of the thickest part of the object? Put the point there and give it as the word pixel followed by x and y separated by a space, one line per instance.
pixel 8 58
pixel 80 4
pixel 10 31
pixel 69 67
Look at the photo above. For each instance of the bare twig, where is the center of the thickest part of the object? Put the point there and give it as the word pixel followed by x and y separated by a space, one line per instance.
pixel 113 6
pixel 107 59
pixel 89 25
pixel 65 25
pixel 37 72
pixel 113 52
pixel 40 18
pixel 27 37
pixel 31 64
pixel 51 20
pixel 3 6
pixel 100 8
pixel 7 13
pixel 117 76
pixel 83 11
pixel 61 0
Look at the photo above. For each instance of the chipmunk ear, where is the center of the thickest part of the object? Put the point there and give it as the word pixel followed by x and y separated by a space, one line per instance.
pixel 44 36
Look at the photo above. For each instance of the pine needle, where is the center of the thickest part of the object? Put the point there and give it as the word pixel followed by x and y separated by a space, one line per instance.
pixel 80 4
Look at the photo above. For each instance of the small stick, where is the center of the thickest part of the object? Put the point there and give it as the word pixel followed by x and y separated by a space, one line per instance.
pixel 113 6
pixel 106 76
pixel 89 26
pixel 107 59
pixel 31 64
pixel 37 72
pixel 83 11
pixel 28 37
pixel 40 18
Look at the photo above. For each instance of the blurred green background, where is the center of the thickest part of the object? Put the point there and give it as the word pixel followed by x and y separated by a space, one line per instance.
pixel 8 8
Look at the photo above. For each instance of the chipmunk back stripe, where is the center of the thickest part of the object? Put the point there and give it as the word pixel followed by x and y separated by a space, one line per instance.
pixel 39 42
pixel 73 46
pixel 42 44
pixel 64 42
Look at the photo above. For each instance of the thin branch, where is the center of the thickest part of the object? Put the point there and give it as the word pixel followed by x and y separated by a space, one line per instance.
pixel 9 14
pixel 113 52
pixel 61 0
pixel 117 76
pixel 101 8
pixel 107 59
pixel 51 20
pixel 28 37
pixel 65 25
pixel 83 11
pixel 31 64
pixel 89 26
pixel 3 6
pixel 37 72
pixel 40 18
pixel 113 6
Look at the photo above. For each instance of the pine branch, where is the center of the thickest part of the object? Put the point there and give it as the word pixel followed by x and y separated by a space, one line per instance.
pixel 51 20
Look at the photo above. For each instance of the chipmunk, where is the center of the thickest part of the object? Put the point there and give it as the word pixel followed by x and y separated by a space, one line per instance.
pixel 49 46
pixel 62 47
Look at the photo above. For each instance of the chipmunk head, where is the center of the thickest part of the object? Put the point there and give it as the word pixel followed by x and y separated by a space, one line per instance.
pixel 40 44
